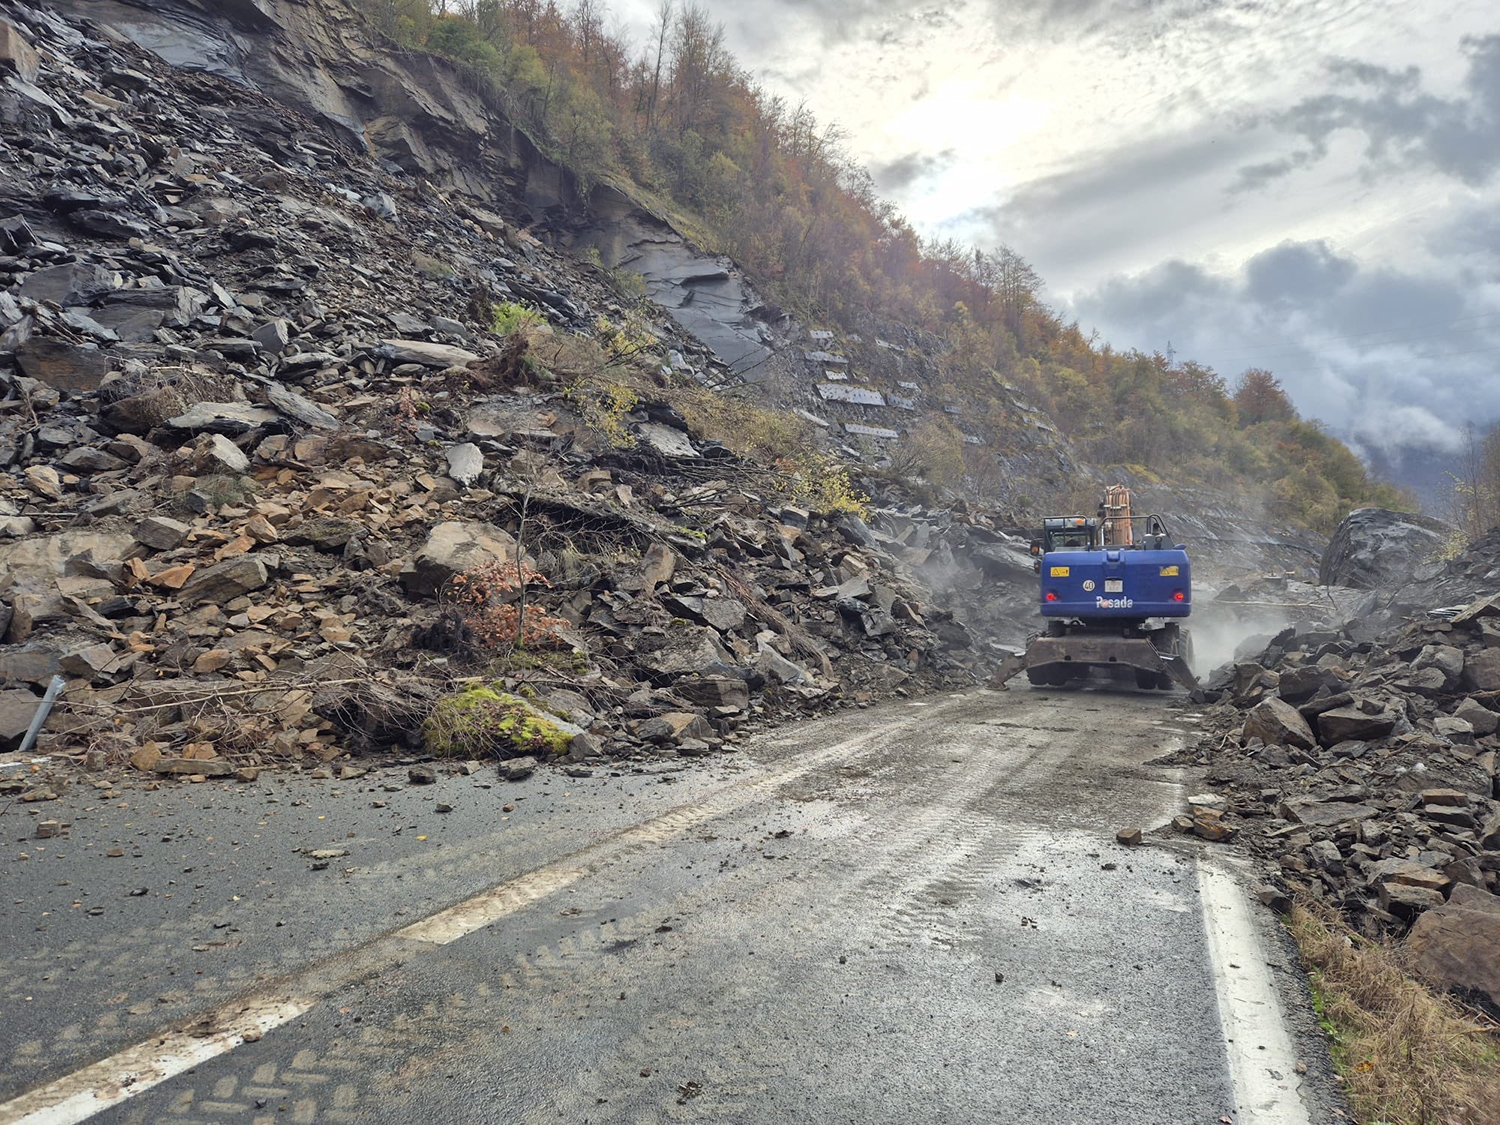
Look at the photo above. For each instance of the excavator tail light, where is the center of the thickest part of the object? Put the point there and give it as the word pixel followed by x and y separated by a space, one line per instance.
pixel 1179 596
pixel 1052 595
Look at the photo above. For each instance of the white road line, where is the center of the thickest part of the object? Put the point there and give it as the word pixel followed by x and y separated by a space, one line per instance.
pixel 93 1089
pixel 136 1069
pixel 1262 1060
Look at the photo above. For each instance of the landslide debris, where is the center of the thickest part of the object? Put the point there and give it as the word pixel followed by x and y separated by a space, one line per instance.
pixel 294 449
pixel 1358 760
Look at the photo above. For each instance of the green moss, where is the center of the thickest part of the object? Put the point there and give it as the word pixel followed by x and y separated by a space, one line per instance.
pixel 482 721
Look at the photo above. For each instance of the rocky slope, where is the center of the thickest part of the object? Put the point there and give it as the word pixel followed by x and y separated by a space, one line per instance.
pixel 258 418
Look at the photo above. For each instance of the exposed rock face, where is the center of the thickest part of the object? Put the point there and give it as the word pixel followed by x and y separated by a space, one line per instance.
pixel 1376 548
pixel 707 294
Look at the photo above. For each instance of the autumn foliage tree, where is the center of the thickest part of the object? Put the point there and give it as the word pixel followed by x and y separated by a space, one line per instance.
pixel 1259 397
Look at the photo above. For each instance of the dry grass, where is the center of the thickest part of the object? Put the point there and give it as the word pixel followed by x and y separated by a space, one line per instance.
pixel 1408 1055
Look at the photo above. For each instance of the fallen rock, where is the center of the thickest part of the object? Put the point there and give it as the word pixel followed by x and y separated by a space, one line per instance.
pixel 188 767
pixel 228 418
pixel 17 708
pixel 427 354
pixel 451 549
pixel 1313 812
pixel 1375 548
pixel 225 581
pixel 714 691
pixel 1457 944
pixel 1479 717
pixel 465 463
pixel 1482 673
pixel 1277 723
pixel 215 453
pixel 1351 724
pixel 17 54
pixel 518 769
pixel 683 652
pixel 146 757
pixel 674 727
pixel 75 368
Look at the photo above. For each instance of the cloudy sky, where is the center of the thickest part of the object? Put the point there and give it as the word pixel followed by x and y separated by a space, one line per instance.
pixel 1309 186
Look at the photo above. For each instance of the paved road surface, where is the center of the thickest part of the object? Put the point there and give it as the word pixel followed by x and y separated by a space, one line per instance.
pixel 914 913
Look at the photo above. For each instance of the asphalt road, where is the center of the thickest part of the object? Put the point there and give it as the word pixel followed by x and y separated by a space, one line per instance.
pixel 912 913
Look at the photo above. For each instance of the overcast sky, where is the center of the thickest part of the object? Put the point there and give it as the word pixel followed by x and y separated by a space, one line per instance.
pixel 1309 186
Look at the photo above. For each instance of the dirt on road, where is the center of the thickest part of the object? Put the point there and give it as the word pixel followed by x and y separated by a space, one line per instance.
pixel 916 912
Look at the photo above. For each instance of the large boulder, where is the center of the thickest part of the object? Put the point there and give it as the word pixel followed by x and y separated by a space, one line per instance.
pixel 1277 723
pixel 1458 944
pixel 1375 548
pixel 1355 724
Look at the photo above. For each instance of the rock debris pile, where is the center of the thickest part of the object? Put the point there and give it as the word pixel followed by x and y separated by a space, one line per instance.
pixel 1360 762
pixel 272 483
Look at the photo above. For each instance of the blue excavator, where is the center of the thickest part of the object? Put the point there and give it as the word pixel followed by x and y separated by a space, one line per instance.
pixel 1113 591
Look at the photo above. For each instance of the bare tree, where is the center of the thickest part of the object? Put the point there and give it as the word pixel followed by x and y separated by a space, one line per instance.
pixel 660 32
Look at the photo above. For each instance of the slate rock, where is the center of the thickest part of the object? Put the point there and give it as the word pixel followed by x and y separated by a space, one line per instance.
pixel 17 54
pixel 273 336
pixel 686 651
pixel 327 534
pixel 1312 812
pixel 714 691
pixel 674 727
pixel 76 284
pixel 109 224
pixel 217 454
pixel 161 533
pixel 1479 717
pixel 225 581
pixel 1303 682
pixel 452 548
pixel 427 354
pixel 300 409
pixel 518 769
pixel 724 614
pixel 465 462
pixel 229 418
pixel 1348 724
pixel 188 767
pixel 17 708
pixel 1482 672
pixel 75 368
pixel 1457 944
pixel 1375 548
pixel 1277 723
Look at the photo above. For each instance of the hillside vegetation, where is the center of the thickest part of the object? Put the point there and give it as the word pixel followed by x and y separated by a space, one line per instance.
pixel 678 120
